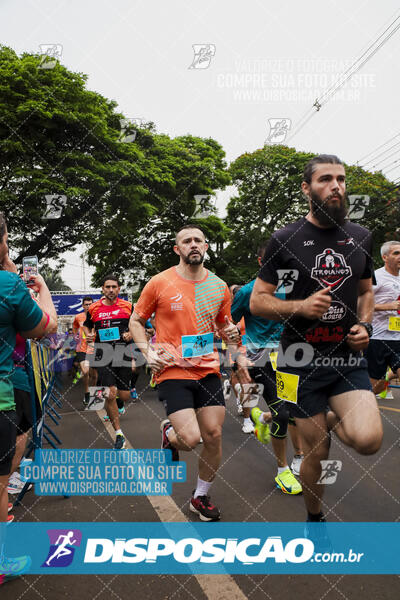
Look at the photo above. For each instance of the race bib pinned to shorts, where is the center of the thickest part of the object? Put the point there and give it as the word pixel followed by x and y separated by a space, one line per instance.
pixel 286 386
pixel 273 357
pixel 197 345
pixel 394 324
pixel 111 334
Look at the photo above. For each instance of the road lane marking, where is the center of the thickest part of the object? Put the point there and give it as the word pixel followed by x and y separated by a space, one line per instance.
pixel 215 587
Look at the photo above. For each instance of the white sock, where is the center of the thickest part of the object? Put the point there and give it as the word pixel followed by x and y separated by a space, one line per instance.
pixel 168 431
pixel 281 469
pixel 238 389
pixel 118 432
pixel 202 488
pixel 247 421
pixel 262 419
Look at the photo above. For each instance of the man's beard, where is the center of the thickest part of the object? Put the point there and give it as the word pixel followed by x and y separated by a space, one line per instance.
pixel 193 259
pixel 328 215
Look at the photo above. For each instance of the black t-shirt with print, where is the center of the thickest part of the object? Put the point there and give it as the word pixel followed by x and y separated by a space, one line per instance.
pixel 302 258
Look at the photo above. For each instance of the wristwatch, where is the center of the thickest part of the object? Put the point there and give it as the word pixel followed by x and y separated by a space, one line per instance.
pixel 368 327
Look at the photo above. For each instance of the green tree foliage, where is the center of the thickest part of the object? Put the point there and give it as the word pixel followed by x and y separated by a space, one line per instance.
pixel 269 197
pixel 53 279
pixel 124 199
pixel 187 167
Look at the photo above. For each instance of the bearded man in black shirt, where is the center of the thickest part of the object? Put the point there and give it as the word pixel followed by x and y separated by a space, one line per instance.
pixel 323 261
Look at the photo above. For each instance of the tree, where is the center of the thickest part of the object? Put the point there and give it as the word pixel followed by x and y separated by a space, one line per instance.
pixel 53 279
pixel 62 141
pixel 119 188
pixel 269 197
pixel 187 167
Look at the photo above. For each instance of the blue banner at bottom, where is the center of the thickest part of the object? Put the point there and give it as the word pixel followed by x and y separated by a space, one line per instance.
pixel 203 548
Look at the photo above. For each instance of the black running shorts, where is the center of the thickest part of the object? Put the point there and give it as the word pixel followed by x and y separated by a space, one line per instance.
pixel 380 355
pixel 317 384
pixel 177 394
pixel 119 377
pixel 8 431
pixel 23 409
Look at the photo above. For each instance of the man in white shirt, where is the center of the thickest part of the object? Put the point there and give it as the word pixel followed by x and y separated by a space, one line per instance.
pixel 384 347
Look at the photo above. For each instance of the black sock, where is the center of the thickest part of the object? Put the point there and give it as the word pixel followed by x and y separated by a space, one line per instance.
pixel 120 403
pixel 318 518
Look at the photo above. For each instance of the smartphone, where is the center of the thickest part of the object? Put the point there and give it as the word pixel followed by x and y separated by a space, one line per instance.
pixel 29 268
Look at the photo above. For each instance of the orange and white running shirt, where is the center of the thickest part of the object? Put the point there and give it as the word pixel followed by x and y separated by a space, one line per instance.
pixel 185 315
pixel 77 325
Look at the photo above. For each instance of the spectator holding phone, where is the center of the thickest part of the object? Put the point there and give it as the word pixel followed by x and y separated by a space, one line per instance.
pixel 18 313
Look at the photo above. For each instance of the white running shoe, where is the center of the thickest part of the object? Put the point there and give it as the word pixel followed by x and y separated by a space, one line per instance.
pixel 296 464
pixel 248 427
pixel 15 485
pixel 227 389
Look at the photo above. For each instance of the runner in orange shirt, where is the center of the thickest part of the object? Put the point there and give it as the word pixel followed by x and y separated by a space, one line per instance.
pixel 83 348
pixel 189 303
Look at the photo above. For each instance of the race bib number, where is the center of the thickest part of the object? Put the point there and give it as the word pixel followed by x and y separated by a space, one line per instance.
pixel 197 345
pixel 286 386
pixel 111 334
pixel 273 357
pixel 394 324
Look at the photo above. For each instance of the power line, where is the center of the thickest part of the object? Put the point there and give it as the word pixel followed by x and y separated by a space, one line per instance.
pixel 352 70
pixel 384 159
pixel 378 148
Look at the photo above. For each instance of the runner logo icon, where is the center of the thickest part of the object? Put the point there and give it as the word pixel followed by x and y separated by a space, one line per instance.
pixel 331 269
pixel 63 543
pixel 287 279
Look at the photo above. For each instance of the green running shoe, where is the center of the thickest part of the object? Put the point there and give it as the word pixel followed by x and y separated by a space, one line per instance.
pixel 288 483
pixel 261 431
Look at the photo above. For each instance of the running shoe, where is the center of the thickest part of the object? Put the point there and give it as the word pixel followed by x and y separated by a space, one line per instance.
pixel 165 444
pixel 227 389
pixel 77 378
pixel 386 394
pixel 15 485
pixel 239 408
pixel 134 394
pixel 203 507
pixel 9 507
pixel 318 534
pixel 288 483
pixel 247 427
pixel 261 431
pixel 122 410
pixel 119 442
pixel 106 418
pixel 10 519
pixel 296 464
pixel 13 567
pixel 152 381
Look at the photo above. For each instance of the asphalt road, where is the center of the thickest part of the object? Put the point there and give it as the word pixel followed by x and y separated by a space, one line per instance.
pixel 367 489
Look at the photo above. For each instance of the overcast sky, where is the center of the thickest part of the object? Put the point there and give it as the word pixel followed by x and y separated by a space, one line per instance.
pixel 268 60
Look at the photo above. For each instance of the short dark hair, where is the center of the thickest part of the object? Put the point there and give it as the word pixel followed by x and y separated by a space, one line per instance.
pixel 87 299
pixel 110 277
pixel 3 226
pixel 321 159
pixel 189 226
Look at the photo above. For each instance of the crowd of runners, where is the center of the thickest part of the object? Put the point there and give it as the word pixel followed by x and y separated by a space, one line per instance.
pixel 305 347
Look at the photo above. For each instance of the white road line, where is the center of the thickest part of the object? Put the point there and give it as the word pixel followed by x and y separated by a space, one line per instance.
pixel 215 587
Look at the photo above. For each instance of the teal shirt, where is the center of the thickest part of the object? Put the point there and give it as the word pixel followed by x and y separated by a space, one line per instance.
pixel 260 333
pixel 18 312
